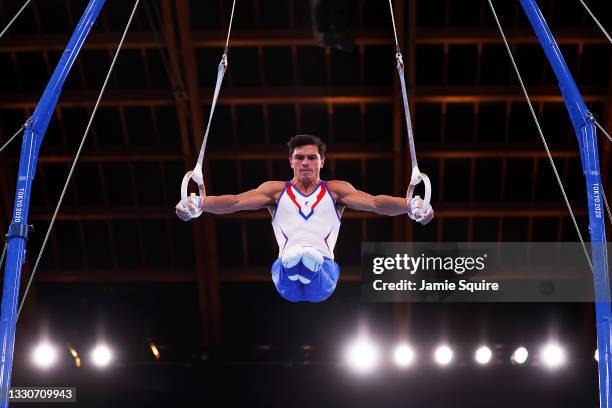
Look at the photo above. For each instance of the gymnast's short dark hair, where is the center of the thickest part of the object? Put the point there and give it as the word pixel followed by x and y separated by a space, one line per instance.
pixel 306 140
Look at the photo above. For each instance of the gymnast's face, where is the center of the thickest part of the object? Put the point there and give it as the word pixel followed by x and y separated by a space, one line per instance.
pixel 306 163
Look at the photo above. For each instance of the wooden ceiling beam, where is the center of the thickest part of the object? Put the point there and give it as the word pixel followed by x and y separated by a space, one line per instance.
pixel 490 35
pixel 443 210
pixel 117 275
pixel 205 237
pixel 350 273
pixel 164 275
pixel 298 37
pixel 305 95
pixel 336 152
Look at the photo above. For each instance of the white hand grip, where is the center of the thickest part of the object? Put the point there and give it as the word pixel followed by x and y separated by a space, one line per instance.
pixel 195 175
pixel 415 179
pixel 427 184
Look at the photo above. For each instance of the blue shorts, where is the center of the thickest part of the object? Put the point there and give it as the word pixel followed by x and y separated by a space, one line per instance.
pixel 322 285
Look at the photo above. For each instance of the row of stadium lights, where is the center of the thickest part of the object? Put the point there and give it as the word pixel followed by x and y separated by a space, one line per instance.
pixel 363 355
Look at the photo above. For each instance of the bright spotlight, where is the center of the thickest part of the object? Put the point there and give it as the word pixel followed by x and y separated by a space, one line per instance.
pixel 552 355
pixel 362 355
pixel 597 355
pixel 75 354
pixel 101 355
pixel 483 355
pixel 155 351
pixel 44 355
pixel 443 355
pixel 403 355
pixel 520 355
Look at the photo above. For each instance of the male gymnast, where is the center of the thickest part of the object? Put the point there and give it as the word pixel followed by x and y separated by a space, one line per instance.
pixel 306 214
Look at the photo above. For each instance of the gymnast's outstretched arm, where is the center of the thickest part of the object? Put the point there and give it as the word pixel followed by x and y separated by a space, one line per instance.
pixel 258 198
pixel 350 197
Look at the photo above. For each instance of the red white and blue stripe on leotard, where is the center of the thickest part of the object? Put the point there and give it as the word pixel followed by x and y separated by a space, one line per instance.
pixel 308 207
pixel 306 219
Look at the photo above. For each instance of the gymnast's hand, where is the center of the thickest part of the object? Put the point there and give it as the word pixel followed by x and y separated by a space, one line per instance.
pixel 416 211
pixel 190 207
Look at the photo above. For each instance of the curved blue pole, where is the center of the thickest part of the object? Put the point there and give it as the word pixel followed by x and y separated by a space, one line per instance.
pixel 585 130
pixel 33 135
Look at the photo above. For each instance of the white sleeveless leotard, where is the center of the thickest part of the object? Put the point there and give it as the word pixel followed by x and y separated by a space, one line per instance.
pixel 306 220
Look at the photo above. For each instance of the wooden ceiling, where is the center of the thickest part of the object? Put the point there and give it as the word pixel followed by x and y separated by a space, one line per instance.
pixel 474 136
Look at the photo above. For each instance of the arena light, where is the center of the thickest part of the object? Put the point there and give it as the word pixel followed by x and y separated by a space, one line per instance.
pixel 443 355
pixel 483 355
pixel 520 355
pixel 75 355
pixel 362 355
pixel 44 355
pixel 155 351
pixel 552 355
pixel 101 355
pixel 403 355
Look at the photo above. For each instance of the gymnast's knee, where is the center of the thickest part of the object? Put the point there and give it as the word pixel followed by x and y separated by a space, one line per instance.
pixel 288 289
pixel 312 259
pixel 292 257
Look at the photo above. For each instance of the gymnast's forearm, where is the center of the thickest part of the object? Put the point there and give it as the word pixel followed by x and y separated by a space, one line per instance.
pixel 388 205
pixel 222 204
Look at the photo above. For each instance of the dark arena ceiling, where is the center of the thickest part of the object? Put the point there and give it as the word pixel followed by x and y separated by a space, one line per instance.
pixel 120 264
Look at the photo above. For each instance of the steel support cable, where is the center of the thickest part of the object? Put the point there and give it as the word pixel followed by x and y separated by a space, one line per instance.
pixel 76 159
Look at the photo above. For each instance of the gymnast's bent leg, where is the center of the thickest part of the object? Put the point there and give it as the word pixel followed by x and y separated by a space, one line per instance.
pixel 289 288
pixel 323 283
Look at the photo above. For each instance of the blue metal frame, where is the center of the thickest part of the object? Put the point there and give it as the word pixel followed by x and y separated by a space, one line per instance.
pixel 585 129
pixel 37 126
pixel 32 139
